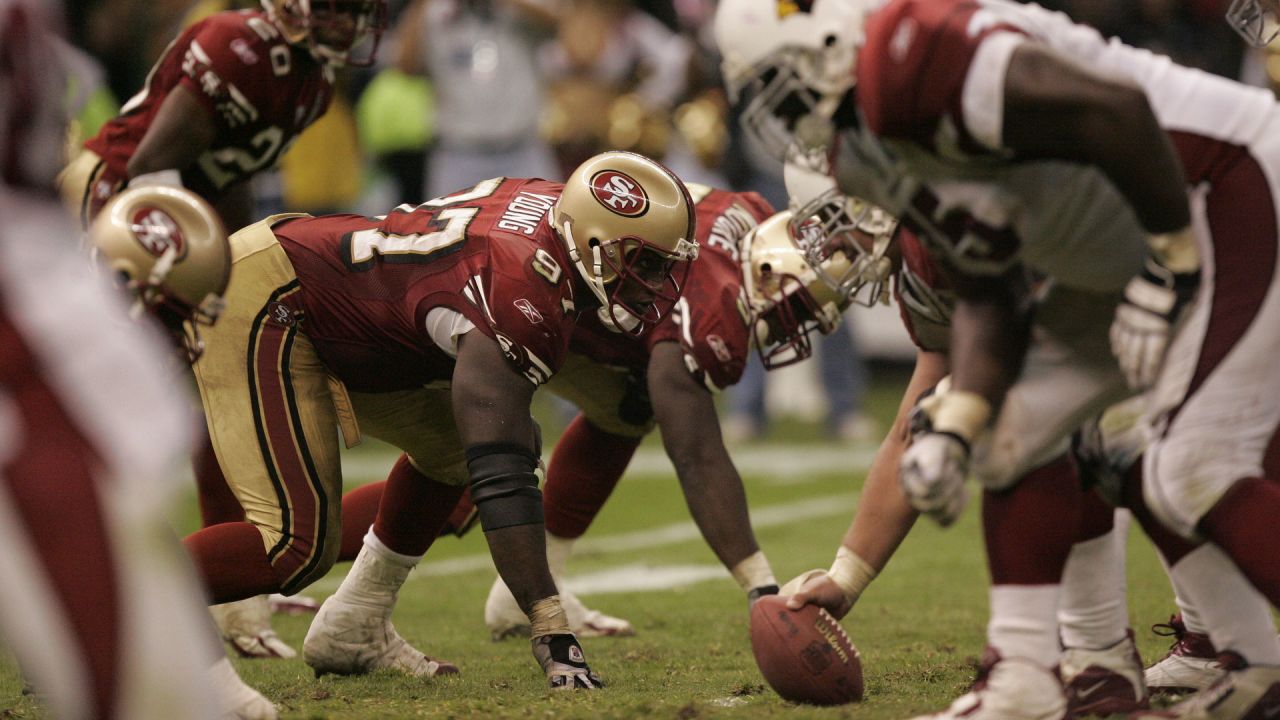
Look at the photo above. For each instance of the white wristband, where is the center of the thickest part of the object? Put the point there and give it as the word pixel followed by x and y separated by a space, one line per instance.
pixel 1177 250
pixel 753 572
pixel 547 617
pixel 962 413
pixel 851 573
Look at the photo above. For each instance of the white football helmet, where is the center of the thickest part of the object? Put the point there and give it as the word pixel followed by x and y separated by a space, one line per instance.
pixel 1257 21
pixel 792 61
pixel 331 29
pixel 167 246
pixel 628 224
pixel 789 297
pixel 825 221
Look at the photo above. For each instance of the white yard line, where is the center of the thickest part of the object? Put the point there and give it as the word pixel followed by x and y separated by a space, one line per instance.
pixel 775 464
pixel 673 534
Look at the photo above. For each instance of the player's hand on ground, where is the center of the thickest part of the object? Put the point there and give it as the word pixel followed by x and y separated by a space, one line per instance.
pixel 816 587
pixel 932 473
pixel 562 660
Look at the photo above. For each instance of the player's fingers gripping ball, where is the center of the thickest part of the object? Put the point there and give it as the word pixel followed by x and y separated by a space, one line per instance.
pixel 804 654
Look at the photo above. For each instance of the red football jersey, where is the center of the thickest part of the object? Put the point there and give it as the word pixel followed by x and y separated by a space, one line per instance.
pixel 489 253
pixel 261 90
pixel 710 319
pixel 911 70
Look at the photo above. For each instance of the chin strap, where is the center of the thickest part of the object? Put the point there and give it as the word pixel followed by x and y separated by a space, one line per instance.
pixel 593 282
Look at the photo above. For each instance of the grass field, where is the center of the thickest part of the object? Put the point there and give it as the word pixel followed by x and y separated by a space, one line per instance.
pixel 920 627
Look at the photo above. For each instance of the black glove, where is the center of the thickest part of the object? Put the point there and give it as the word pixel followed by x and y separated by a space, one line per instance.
pixel 562 660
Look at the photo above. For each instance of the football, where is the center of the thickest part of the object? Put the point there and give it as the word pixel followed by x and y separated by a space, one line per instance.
pixel 804 654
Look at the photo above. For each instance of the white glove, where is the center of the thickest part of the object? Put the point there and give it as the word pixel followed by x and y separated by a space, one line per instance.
pixel 932 473
pixel 1153 301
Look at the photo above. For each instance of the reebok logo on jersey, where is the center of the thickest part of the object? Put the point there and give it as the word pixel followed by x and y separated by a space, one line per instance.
pixel 620 193
pixel 243 51
pixel 157 232
pixel 529 310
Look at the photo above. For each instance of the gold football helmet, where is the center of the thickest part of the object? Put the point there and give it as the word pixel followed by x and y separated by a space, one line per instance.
pixel 169 249
pixel 789 297
pixel 824 219
pixel 331 28
pixel 628 224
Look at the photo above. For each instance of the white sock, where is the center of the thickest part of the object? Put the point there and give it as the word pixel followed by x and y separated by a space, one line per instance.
pixel 1024 622
pixel 558 551
pixel 1236 616
pixel 376 575
pixel 1094 613
pixel 375 544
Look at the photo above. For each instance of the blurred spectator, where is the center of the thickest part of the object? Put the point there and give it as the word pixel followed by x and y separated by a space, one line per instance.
pixel 323 172
pixel 617 74
pixel 842 382
pixel 395 117
pixel 481 58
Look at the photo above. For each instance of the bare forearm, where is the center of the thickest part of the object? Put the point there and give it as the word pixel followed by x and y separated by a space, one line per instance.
pixel 1057 110
pixel 520 555
pixel 989 332
pixel 883 517
pixel 718 503
pixel 181 131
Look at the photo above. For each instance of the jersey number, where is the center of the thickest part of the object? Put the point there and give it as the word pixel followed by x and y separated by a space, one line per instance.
pixel 449 232
pixel 415 248
pixel 227 164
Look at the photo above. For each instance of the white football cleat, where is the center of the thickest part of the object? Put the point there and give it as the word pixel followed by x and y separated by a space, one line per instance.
pixel 505 619
pixel 1190 665
pixel 347 639
pixel 239 701
pixel 1104 682
pixel 1241 692
pixel 246 624
pixel 1013 689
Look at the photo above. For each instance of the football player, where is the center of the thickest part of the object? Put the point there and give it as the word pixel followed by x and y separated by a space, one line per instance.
pixel 1099 665
pixel 746 272
pixel 1093 624
pixel 226 99
pixel 99 606
pixel 429 327
pixel 749 288
pixel 1032 146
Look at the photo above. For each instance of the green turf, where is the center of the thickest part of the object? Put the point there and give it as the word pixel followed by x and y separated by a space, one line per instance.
pixel 920 627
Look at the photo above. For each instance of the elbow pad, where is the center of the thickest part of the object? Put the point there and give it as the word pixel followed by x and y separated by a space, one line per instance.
pixel 504 486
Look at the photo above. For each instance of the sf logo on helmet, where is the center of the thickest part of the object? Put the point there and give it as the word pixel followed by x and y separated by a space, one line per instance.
pixel 620 193
pixel 157 232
